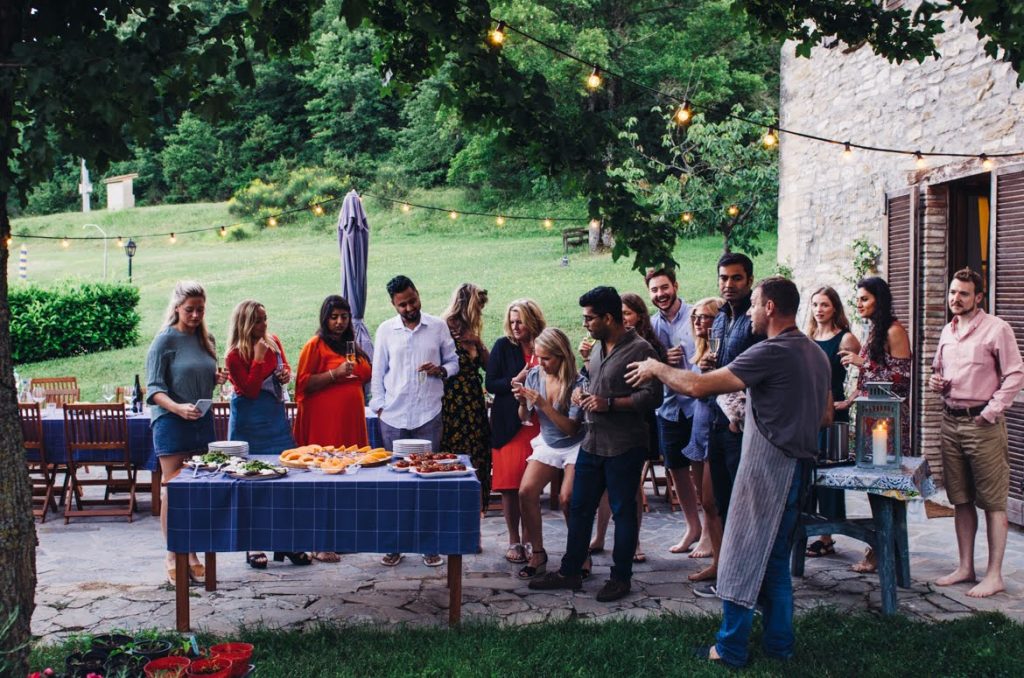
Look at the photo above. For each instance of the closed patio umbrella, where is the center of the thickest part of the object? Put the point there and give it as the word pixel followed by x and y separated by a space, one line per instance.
pixel 354 241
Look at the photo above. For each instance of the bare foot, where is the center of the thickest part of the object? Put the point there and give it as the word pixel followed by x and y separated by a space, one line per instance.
pixel 596 546
pixel 710 572
pixel 956 576
pixel 868 565
pixel 685 543
pixel 989 586
pixel 702 549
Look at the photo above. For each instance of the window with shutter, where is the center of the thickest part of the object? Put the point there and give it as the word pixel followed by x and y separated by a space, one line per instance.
pixel 900 259
pixel 1008 295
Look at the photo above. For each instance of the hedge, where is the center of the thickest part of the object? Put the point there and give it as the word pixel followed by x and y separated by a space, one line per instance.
pixel 72 320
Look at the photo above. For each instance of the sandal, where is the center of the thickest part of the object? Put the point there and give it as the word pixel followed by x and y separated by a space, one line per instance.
pixel 433 560
pixel 257 561
pixel 172 575
pixel 297 558
pixel 197 573
pixel 391 559
pixel 327 557
pixel 529 572
pixel 516 553
pixel 639 557
pixel 819 549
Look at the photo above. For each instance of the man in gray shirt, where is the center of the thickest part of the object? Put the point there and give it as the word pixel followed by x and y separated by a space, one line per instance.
pixel 787 378
pixel 613 450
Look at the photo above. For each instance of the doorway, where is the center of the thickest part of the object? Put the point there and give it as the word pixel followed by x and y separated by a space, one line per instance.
pixel 968 227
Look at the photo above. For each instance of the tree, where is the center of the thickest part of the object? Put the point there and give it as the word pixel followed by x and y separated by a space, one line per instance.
pixel 85 79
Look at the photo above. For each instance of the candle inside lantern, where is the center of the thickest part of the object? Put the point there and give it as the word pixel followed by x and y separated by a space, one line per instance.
pixel 880 443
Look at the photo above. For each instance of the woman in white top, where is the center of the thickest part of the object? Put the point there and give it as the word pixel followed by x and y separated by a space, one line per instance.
pixel 548 390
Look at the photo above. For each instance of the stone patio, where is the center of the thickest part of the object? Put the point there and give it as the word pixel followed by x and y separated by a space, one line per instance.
pixel 99 574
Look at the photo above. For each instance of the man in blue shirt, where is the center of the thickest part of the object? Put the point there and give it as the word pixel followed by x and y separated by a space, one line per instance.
pixel 675 416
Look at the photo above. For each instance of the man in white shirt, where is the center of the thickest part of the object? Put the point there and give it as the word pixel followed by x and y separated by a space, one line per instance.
pixel 412 356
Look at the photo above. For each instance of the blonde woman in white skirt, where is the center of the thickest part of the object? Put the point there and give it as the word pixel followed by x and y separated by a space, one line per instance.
pixel 548 389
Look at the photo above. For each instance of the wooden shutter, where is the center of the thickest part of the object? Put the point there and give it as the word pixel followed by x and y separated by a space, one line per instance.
pixel 900 261
pixel 1007 281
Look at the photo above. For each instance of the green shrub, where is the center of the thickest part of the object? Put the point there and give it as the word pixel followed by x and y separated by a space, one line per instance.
pixel 303 187
pixel 72 320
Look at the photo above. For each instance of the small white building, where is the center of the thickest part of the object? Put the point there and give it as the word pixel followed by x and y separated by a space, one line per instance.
pixel 120 193
pixel 929 221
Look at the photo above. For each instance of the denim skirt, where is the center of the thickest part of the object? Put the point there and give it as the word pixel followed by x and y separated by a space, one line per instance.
pixel 174 435
pixel 261 422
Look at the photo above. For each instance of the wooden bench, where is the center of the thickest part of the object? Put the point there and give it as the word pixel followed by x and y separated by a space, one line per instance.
pixel 575 237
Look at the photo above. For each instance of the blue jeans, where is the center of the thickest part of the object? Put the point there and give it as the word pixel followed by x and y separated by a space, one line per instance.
pixel 775 598
pixel 619 475
pixel 724 449
pixel 430 431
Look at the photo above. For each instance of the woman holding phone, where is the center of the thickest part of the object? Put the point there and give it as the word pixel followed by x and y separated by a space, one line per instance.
pixel 181 369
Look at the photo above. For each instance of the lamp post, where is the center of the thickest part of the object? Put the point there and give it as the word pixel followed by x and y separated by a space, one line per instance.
pixel 104 246
pixel 129 250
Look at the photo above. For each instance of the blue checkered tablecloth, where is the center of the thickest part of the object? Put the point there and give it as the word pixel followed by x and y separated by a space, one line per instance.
pixel 140 440
pixel 373 511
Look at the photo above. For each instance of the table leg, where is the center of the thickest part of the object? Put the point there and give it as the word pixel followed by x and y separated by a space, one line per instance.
pixel 181 611
pixel 882 512
pixel 211 571
pixel 454 589
pixel 902 544
pixel 156 480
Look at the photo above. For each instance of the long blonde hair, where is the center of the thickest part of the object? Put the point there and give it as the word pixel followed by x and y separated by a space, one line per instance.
pixel 712 304
pixel 554 341
pixel 243 318
pixel 183 290
pixel 529 313
pixel 838 316
pixel 466 309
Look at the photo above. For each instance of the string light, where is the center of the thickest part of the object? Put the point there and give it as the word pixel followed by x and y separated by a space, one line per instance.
pixel 453 215
pixel 685 114
pixel 9 241
pixel 318 210
pixel 223 231
pixel 497 36
pixel 64 243
pixel 687 217
pixel 733 210
pixel 120 243
pixel 847 151
pixel 406 207
pixel 500 220
pixel 272 222
pixel 770 139
pixel 173 239
pixel 594 79
pixel 919 160
pixel 548 224
pixel 986 162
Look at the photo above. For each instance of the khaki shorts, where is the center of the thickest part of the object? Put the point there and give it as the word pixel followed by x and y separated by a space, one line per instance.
pixel 975 462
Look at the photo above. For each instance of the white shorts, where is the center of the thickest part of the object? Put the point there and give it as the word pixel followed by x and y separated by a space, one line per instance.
pixel 558 457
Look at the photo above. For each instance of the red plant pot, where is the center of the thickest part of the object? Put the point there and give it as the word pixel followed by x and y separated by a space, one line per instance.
pixel 166 667
pixel 217 667
pixel 240 655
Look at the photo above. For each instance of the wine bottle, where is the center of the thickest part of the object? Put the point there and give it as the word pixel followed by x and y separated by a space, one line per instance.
pixel 137 399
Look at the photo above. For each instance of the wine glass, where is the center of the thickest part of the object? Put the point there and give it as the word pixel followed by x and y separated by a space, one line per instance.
pixel 128 395
pixel 584 392
pixel 38 394
pixel 714 343
pixel 528 421
pixel 350 351
pixel 226 389
pixel 109 391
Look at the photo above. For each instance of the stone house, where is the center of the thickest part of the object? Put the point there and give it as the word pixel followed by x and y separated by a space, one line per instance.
pixel 929 220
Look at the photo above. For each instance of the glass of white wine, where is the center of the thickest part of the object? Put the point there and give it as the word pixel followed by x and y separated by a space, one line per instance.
pixel 109 391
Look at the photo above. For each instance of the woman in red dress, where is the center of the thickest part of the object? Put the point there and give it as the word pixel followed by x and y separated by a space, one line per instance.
pixel 329 382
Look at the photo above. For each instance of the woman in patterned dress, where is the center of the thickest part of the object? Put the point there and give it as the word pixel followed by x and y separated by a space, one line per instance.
pixel 885 356
pixel 463 410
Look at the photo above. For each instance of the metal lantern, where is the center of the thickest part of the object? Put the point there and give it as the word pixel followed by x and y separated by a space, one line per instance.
pixel 878 427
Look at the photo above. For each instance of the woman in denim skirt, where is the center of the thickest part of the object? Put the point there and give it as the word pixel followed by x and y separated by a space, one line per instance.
pixel 182 369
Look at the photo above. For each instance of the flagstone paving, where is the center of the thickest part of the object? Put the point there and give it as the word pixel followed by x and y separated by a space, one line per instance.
pixel 99 574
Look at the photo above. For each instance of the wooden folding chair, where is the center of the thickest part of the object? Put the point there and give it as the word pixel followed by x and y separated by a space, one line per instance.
pixel 221 416
pixel 53 382
pixel 120 392
pixel 43 473
pixel 90 430
pixel 649 475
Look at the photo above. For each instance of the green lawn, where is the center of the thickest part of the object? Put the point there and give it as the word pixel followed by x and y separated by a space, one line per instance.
pixel 291 268
pixel 828 644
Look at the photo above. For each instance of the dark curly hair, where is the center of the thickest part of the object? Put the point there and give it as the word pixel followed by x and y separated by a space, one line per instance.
pixel 882 319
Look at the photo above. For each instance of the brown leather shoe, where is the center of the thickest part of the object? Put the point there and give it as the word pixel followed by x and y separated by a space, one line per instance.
pixel 556 580
pixel 613 589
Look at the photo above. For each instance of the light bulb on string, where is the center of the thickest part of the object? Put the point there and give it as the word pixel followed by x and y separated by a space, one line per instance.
pixel 500 220
pixel 120 242
pixel 847 151
pixel 595 224
pixel 548 224
pixel 733 210
pixel 9 241
pixel 223 231
pixel 497 36
pixel 173 239
pixel 406 207
pixel 272 222
pixel 919 160
pixel 986 162
pixel 594 79
pixel 318 210
pixel 687 217
pixel 453 215
pixel 65 243
pixel 685 114
pixel 770 139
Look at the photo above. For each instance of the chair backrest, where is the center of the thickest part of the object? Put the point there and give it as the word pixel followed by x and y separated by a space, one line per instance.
pixel 62 395
pixel 221 416
pixel 31 417
pixel 291 408
pixel 120 391
pixel 53 382
pixel 96 427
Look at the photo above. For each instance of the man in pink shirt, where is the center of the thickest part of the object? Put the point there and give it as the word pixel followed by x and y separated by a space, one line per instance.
pixel 978 370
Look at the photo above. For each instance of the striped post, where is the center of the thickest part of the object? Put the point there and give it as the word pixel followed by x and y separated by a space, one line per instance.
pixel 23 263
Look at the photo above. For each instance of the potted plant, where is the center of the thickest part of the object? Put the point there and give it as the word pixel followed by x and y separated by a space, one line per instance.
pixel 240 655
pixel 151 646
pixel 81 664
pixel 167 667
pixel 108 642
pixel 216 667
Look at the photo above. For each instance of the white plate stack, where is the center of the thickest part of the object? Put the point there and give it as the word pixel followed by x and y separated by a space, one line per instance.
pixel 234 448
pixel 407 446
